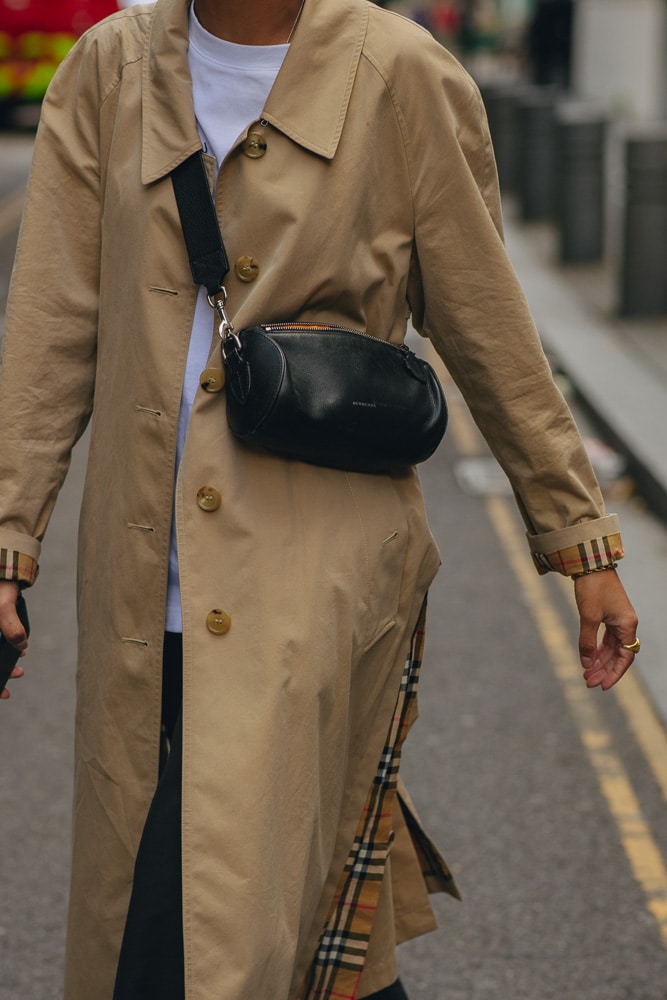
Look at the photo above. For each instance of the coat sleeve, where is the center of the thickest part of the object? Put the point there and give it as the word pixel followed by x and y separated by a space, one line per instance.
pixel 48 360
pixel 466 299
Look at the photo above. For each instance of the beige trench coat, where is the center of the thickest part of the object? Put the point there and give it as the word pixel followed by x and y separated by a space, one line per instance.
pixel 376 198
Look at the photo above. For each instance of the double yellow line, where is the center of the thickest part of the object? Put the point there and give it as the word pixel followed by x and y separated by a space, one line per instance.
pixel 646 861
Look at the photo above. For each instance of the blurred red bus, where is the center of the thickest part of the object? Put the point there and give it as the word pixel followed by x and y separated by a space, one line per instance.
pixel 36 35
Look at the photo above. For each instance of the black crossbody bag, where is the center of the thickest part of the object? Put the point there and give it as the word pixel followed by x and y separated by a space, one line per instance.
pixel 313 392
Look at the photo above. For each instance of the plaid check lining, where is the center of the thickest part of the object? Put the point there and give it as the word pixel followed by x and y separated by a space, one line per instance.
pixel 593 554
pixel 341 953
pixel 17 566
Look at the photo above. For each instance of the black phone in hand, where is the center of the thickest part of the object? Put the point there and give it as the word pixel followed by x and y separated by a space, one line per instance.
pixel 9 655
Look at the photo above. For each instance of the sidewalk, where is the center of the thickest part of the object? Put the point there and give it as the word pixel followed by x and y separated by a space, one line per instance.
pixel 619 370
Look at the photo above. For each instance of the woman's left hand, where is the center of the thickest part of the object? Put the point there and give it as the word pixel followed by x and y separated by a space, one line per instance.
pixel 601 600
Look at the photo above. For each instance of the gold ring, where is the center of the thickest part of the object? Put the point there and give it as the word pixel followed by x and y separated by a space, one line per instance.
pixel 634 647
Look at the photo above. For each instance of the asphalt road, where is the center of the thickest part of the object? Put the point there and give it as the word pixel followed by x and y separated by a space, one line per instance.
pixel 549 805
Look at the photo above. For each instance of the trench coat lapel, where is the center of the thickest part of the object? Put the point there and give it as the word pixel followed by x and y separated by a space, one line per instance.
pixel 169 125
pixel 326 46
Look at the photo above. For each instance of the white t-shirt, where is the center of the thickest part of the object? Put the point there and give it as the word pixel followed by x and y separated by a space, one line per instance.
pixel 230 85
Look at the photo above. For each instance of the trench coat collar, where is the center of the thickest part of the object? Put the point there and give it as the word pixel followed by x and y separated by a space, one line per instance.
pixel 308 101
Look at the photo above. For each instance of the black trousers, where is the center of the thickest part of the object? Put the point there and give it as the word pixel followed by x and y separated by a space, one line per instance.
pixel 151 957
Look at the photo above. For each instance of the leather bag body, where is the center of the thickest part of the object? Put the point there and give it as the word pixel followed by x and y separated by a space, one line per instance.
pixel 334 397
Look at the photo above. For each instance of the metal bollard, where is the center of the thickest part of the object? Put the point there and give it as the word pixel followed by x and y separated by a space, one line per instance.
pixel 580 183
pixel 500 100
pixel 536 135
pixel 644 259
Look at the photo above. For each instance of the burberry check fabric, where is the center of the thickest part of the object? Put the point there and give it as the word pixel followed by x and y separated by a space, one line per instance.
pixel 17 566
pixel 594 554
pixel 340 957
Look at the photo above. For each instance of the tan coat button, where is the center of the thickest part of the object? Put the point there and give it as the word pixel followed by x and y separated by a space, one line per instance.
pixel 212 379
pixel 247 269
pixel 208 498
pixel 254 145
pixel 218 622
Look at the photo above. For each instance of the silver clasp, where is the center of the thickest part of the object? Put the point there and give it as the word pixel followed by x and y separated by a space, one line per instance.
pixel 218 301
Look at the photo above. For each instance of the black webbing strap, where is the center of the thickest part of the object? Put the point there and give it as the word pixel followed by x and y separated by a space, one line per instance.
pixel 208 257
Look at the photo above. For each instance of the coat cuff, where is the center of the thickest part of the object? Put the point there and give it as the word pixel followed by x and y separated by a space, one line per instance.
pixel 19 555
pixel 591 545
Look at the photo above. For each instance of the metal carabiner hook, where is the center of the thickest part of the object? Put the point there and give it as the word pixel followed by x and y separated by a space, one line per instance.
pixel 218 301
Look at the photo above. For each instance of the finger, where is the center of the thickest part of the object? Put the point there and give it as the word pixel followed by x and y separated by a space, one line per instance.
pixel 588 643
pixel 608 668
pixel 614 675
pixel 605 678
pixel 619 635
pixel 12 628
pixel 15 674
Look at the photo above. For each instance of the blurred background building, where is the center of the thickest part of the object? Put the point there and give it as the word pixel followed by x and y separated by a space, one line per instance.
pixel 610 51
pixel 620 55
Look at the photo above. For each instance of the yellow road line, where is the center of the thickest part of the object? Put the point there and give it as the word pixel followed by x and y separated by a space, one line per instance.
pixel 641 850
pixel 467 438
pixel 641 717
pixel 10 212
pixel 640 714
pixel 646 727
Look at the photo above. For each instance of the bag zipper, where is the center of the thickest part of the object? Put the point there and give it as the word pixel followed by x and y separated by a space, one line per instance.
pixel 269 327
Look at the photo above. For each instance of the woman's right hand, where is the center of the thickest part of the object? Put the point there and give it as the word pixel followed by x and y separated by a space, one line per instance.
pixel 10 624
